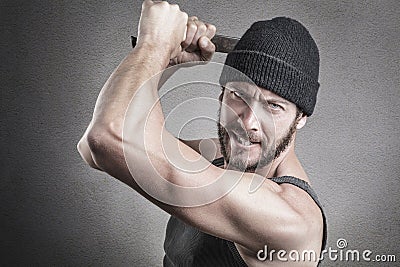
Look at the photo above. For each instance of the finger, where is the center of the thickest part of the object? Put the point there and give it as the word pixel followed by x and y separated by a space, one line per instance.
pixel 200 31
pixel 176 52
pixel 185 17
pixel 207 48
pixel 211 30
pixel 191 29
pixel 147 3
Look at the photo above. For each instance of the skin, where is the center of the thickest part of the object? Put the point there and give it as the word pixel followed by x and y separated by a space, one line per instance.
pixel 242 105
pixel 279 216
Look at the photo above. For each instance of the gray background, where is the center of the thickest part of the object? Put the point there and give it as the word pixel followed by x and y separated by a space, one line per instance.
pixel 56 55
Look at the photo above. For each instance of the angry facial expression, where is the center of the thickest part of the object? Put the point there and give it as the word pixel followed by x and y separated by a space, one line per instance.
pixel 255 126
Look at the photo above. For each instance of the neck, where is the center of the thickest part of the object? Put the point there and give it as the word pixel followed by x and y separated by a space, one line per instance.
pixel 288 164
pixel 278 164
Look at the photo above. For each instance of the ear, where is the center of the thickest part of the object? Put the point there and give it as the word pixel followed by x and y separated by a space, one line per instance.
pixel 301 122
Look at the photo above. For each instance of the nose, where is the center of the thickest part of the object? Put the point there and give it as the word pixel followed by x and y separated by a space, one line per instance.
pixel 249 118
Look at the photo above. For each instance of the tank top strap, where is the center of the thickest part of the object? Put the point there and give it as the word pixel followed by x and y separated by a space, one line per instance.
pixel 306 187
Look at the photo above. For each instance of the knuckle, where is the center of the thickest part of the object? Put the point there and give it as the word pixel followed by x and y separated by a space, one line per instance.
pixel 186 43
pixel 202 27
pixel 146 3
pixel 185 15
pixel 192 26
pixel 164 3
pixel 175 7
pixel 211 28
pixel 212 47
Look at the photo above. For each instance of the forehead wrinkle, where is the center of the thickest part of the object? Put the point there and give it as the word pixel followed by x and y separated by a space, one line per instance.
pixel 256 92
pixel 247 90
pixel 277 100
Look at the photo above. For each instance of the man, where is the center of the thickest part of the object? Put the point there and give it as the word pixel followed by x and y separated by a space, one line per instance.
pixel 224 225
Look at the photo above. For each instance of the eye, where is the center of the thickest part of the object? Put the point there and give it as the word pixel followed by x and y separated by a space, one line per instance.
pixel 274 106
pixel 236 95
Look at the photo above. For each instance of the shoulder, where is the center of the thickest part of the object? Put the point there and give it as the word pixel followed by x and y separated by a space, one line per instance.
pixel 309 225
pixel 300 200
pixel 310 213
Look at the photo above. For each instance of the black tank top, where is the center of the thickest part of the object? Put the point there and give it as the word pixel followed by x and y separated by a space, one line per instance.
pixel 185 245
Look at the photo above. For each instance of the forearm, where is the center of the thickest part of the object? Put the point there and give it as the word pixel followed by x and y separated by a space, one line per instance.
pixel 104 134
pixel 142 63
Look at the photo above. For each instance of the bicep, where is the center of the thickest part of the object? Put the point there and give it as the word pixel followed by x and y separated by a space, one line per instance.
pixel 228 210
pixel 249 219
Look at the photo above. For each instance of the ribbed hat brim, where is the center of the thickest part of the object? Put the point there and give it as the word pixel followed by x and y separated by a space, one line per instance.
pixel 272 74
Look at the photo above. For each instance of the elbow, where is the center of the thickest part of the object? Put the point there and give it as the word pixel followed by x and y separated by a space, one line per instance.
pixel 95 145
pixel 100 141
pixel 85 152
pixel 105 143
pixel 95 140
pixel 81 147
pixel 100 136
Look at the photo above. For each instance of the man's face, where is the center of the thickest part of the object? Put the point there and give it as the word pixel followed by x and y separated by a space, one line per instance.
pixel 255 126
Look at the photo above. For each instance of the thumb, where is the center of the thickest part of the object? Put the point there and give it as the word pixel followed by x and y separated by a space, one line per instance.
pixel 207 48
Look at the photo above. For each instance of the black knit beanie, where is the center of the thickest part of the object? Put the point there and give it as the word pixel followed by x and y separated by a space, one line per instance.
pixel 281 56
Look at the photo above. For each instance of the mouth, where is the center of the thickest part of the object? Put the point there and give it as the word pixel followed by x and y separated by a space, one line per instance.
pixel 245 141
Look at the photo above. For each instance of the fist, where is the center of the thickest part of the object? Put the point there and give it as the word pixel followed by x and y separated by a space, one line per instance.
pixel 170 32
pixel 196 45
pixel 162 26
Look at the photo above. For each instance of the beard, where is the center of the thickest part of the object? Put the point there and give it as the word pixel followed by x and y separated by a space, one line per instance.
pixel 267 154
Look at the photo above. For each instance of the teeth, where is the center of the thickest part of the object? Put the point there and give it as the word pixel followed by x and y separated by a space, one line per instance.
pixel 244 142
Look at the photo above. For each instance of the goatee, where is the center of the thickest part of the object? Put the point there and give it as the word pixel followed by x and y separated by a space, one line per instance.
pixel 267 155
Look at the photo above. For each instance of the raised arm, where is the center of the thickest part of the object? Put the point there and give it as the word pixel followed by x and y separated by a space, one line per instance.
pixel 127 139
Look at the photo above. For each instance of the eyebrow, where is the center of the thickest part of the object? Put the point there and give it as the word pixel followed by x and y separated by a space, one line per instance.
pixel 276 100
pixel 266 98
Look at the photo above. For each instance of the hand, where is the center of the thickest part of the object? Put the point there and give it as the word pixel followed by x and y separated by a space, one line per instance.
pixel 163 27
pixel 197 45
